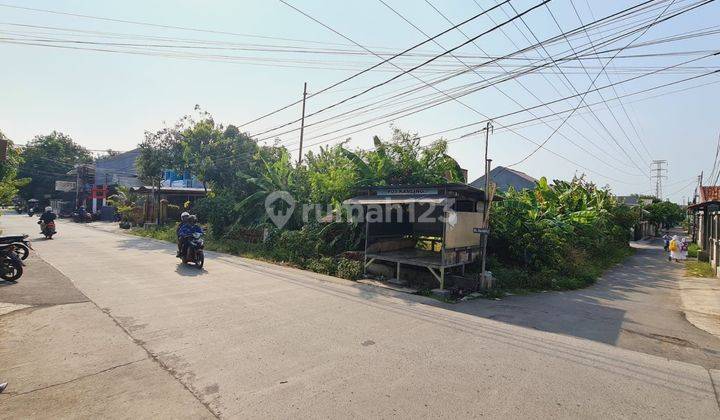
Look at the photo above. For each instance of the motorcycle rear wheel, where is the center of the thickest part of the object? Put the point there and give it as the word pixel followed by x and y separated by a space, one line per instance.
pixel 21 250
pixel 11 270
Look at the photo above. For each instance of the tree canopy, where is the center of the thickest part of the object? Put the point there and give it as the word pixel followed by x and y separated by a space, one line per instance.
pixel 47 158
pixel 9 182
pixel 665 213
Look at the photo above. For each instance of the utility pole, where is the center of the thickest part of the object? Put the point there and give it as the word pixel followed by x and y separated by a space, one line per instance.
pixel 697 188
pixel 486 215
pixel 658 173
pixel 302 124
pixel 488 130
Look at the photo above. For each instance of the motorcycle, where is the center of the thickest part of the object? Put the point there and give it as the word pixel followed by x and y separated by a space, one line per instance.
pixel 193 252
pixel 47 229
pixel 11 266
pixel 21 243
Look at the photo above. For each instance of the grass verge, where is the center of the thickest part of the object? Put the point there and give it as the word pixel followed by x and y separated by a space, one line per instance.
pixel 698 269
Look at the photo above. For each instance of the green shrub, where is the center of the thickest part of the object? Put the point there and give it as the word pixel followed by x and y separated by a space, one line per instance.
pixel 218 211
pixel 294 246
pixel 322 265
pixel 693 249
pixel 571 283
pixel 163 233
pixel 349 269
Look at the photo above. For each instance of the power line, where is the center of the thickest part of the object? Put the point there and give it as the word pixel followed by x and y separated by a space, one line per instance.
pixel 656 21
pixel 483 79
pixel 503 57
pixel 156 25
pixel 404 71
pixel 602 71
pixel 582 98
pixel 627 115
pixel 359 73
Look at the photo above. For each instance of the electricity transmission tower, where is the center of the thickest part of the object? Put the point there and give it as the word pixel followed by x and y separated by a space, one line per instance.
pixel 657 174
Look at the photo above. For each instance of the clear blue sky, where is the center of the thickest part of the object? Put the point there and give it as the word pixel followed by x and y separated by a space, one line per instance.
pixel 107 100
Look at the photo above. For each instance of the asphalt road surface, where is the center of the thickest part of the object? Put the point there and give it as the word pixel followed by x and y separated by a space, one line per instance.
pixel 636 305
pixel 248 339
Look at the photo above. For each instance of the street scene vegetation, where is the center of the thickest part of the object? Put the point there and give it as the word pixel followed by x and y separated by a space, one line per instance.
pixel 359 209
pixel 560 235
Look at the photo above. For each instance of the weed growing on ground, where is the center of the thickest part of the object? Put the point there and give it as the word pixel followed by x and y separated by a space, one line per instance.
pixel 698 269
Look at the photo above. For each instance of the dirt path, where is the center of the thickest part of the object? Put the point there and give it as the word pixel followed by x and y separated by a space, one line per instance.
pixel 636 305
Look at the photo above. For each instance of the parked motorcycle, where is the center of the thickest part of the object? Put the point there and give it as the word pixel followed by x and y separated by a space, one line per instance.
pixel 193 252
pixel 21 242
pixel 11 266
pixel 47 229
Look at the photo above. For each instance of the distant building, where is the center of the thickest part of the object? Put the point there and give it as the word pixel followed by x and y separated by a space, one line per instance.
pixel 505 178
pixel 121 170
pixel 634 200
pixel 705 219
pixel 118 170
pixel 629 200
pixel 180 180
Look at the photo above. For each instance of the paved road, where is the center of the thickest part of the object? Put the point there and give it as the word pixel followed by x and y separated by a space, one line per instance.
pixel 636 305
pixel 250 339
pixel 64 358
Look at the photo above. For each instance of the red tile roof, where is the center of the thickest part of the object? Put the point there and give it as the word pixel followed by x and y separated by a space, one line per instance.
pixel 710 193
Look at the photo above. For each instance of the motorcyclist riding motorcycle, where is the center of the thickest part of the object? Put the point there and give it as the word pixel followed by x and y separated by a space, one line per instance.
pixel 47 222
pixel 183 221
pixel 186 233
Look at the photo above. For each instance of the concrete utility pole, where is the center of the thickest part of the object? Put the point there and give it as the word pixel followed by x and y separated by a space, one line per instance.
pixel 488 129
pixel 658 173
pixel 486 216
pixel 302 124
pixel 696 194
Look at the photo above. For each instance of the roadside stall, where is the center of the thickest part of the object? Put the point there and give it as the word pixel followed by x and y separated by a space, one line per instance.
pixel 436 227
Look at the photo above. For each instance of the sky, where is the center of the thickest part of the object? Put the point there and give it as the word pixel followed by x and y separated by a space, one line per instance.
pixel 108 99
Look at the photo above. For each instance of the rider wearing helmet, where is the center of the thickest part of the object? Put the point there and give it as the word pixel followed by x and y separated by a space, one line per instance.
pixel 183 221
pixel 47 217
pixel 186 231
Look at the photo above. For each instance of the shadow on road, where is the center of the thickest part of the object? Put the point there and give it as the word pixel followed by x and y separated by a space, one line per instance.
pixel 189 271
pixel 635 305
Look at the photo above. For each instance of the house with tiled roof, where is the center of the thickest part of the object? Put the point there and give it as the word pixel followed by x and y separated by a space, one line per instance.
pixel 710 193
pixel 705 227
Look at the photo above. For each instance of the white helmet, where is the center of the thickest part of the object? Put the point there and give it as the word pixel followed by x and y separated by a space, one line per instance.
pixel 48 208
pixel 184 214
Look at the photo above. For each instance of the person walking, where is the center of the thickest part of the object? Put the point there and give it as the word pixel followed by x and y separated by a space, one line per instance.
pixel 683 249
pixel 674 249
